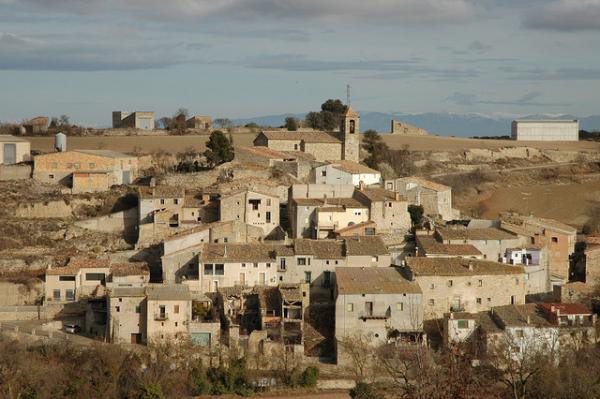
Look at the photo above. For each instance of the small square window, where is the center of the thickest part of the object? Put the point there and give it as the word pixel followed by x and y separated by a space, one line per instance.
pixel 400 306
pixel 480 283
pixel 431 302
pixel 479 301
pixel 118 308
pixel 350 307
pixel 431 286
pixel 450 283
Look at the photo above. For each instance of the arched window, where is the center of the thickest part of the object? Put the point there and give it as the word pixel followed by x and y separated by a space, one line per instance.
pixel 352 126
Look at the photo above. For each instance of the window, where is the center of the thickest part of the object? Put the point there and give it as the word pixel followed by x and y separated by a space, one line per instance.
pixel 489 299
pixel 478 301
pixel 526 276
pixel 480 283
pixel 120 299
pixel 118 308
pixel 374 258
pixel 268 201
pixel 555 239
pixel 462 324
pixel 400 306
pixel 449 283
pixel 268 264
pixel 519 333
pixel 255 203
pixel 255 265
pixel 516 281
pixel 94 276
pixel 301 261
pixel 268 217
pixel 69 166
pixel 350 307
pixel 323 173
pixel 513 300
pixel 176 201
pixel 369 308
pixel 370 231
pixel 243 265
pixel 162 201
pixel 66 278
pixel 219 269
pixel 282 264
pixel 431 286
pixel 208 269
pixel 307 277
pixel 431 302
pixel 176 324
pixel 70 295
pixel 352 126
pixel 176 309
pixel 51 176
pixel 326 278
pixel 138 309
pixel 326 262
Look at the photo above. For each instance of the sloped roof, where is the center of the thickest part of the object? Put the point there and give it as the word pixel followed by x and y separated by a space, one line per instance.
pixel 425 183
pixel 373 280
pixel 168 292
pixel 162 192
pixel 5 138
pixel 516 315
pixel 75 264
pixel 129 269
pixel 431 246
pixel 320 249
pixel 291 292
pixel 266 152
pixel 345 202
pixel 352 167
pixel 255 252
pixel 351 113
pixel 490 233
pixel 368 223
pixel 377 194
pixel 421 266
pixel 365 246
pixel 308 137
pixel 566 308
pixel 127 292
pixel 106 153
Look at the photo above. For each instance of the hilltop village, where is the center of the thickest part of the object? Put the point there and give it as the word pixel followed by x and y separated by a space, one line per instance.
pixel 292 248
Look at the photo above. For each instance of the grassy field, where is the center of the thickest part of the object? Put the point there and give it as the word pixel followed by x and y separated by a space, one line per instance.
pixel 176 144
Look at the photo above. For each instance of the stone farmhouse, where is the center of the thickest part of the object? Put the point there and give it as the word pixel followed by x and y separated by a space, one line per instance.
pixel 459 284
pixel 86 170
pixel 37 125
pixel 199 122
pixel 133 120
pixel 346 172
pixel 376 303
pixel 492 242
pixel 435 198
pixel 322 145
pixel 253 208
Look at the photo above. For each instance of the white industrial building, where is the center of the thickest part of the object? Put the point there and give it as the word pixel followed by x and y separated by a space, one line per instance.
pixel 545 130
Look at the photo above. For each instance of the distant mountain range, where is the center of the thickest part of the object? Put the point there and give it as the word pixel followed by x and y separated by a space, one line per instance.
pixel 443 124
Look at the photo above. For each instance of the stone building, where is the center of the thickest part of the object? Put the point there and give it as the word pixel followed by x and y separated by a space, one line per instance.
pixel 81 277
pixel 559 239
pixel 14 150
pixel 322 145
pixel 346 172
pixel 534 261
pixel 378 303
pixel 465 285
pixel 251 207
pixel 492 242
pixel 406 129
pixel 86 170
pixel 199 122
pixel 388 209
pixel 37 125
pixel 133 120
pixel 429 247
pixel 127 315
pixel 435 198
pixel 545 130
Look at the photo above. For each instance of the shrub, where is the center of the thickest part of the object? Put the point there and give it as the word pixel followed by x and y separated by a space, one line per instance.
pixel 363 390
pixel 309 377
pixel 151 391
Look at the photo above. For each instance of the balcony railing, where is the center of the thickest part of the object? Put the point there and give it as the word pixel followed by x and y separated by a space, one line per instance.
pixel 161 316
pixel 373 316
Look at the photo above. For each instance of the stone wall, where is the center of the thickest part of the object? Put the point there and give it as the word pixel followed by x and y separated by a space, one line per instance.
pixel 15 172
pixel 124 222
pixel 20 293
pixel 59 209
pixel 406 129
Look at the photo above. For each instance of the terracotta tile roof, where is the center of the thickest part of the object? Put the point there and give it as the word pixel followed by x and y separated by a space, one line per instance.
pixel 128 292
pixel 373 280
pixel 106 154
pixel 433 247
pixel 75 264
pixel 421 266
pixel 516 315
pixel 168 292
pixel 368 223
pixel 424 183
pixel 320 249
pixel 345 202
pixel 291 292
pixel 129 269
pixel 566 308
pixel 244 252
pixel 196 229
pixel 551 224
pixel 307 137
pixel 365 246
pixel 329 209
pixel 351 113
pixel 462 233
pixel 352 167
pixel 265 152
pixel 249 191
pixel 378 194
pixel 162 192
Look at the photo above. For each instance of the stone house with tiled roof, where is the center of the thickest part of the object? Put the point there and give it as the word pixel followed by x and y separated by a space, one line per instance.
pixel 386 208
pixel 251 207
pixel 429 247
pixel 492 242
pixel 469 285
pixel 435 198
pixel 377 303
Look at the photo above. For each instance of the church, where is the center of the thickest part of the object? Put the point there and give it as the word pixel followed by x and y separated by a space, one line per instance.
pixel 323 146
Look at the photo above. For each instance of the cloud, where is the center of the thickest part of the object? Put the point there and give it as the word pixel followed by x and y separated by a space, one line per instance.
pixel 528 99
pixel 565 15
pixel 541 74
pixel 376 69
pixel 476 45
pixel 23 53
pixel 392 11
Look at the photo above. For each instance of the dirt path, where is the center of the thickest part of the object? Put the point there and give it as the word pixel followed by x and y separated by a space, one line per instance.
pixel 515 169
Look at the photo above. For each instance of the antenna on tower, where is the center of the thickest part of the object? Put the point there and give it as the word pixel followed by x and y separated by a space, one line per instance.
pixel 348 95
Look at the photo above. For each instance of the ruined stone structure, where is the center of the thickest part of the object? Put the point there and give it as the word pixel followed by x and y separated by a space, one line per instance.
pixel 405 129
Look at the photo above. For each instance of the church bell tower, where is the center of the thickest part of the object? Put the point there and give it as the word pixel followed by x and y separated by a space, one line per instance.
pixel 350 135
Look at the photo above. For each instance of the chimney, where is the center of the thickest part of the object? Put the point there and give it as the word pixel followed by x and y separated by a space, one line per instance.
pixel 361 185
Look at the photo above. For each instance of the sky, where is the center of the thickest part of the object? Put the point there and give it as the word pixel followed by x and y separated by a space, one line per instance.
pixel 245 58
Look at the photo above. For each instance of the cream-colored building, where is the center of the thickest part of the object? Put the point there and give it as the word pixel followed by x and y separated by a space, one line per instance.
pixel 386 208
pixel 435 198
pixel 429 247
pixel 14 150
pixel 169 309
pixel 465 285
pixel 127 313
pixel 492 242
pixel 133 120
pixel 81 277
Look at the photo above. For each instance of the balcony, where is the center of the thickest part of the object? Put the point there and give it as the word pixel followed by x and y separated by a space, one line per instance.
pixel 161 316
pixel 373 316
pixel 459 308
